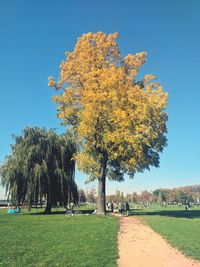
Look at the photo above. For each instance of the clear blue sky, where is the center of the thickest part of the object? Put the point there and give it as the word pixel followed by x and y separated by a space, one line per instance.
pixel 35 35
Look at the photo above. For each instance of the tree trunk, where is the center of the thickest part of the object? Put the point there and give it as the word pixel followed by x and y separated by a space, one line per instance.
pixel 101 202
pixel 49 204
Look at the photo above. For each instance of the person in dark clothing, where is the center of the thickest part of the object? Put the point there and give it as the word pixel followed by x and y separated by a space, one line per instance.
pixel 186 208
pixel 111 206
pixel 127 208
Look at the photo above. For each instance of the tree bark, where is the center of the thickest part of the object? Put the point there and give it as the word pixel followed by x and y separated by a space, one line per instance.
pixel 49 204
pixel 101 201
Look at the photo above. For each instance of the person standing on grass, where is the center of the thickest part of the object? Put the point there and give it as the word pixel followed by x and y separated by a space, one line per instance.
pixel 186 208
pixel 122 207
pixel 127 208
pixel 189 207
pixel 111 206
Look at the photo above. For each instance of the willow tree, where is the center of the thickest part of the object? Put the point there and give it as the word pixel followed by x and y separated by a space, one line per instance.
pixel 119 120
pixel 41 166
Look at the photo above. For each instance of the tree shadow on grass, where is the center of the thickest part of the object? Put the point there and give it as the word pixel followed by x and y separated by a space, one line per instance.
pixel 56 212
pixel 194 214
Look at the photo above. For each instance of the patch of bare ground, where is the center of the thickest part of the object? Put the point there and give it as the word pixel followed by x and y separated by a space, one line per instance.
pixel 140 246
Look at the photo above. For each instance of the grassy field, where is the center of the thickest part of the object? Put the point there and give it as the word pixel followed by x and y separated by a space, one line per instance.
pixel 57 240
pixel 34 239
pixel 180 228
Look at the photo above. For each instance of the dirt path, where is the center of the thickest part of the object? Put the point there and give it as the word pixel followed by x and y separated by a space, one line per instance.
pixel 140 246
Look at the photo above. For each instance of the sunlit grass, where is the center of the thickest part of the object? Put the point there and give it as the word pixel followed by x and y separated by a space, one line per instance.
pixel 58 240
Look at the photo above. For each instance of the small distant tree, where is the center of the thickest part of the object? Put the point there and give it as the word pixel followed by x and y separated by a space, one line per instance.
pixel 160 195
pixel 134 197
pixel 171 196
pixel 190 198
pixel 122 196
pixel 160 198
pixel 81 196
pixel 146 196
pixel 91 195
pixel 156 193
pixel 117 196
pixel 110 198
pixel 128 197
pixel 183 197
pixel 119 120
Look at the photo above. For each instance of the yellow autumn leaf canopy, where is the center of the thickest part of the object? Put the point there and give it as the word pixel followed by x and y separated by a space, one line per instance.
pixel 117 119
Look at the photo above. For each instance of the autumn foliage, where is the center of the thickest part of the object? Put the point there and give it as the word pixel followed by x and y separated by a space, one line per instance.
pixel 119 121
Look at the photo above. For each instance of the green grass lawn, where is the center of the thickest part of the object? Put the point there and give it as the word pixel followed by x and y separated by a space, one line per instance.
pixel 34 239
pixel 181 229
pixel 58 240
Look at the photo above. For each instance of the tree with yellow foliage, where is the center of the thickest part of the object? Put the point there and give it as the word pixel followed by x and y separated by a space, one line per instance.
pixel 119 121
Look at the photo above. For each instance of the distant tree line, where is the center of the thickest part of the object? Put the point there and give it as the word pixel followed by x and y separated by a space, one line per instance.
pixel 180 195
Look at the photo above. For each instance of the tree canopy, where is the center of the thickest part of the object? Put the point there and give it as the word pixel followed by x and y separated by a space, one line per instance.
pixel 120 121
pixel 41 166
